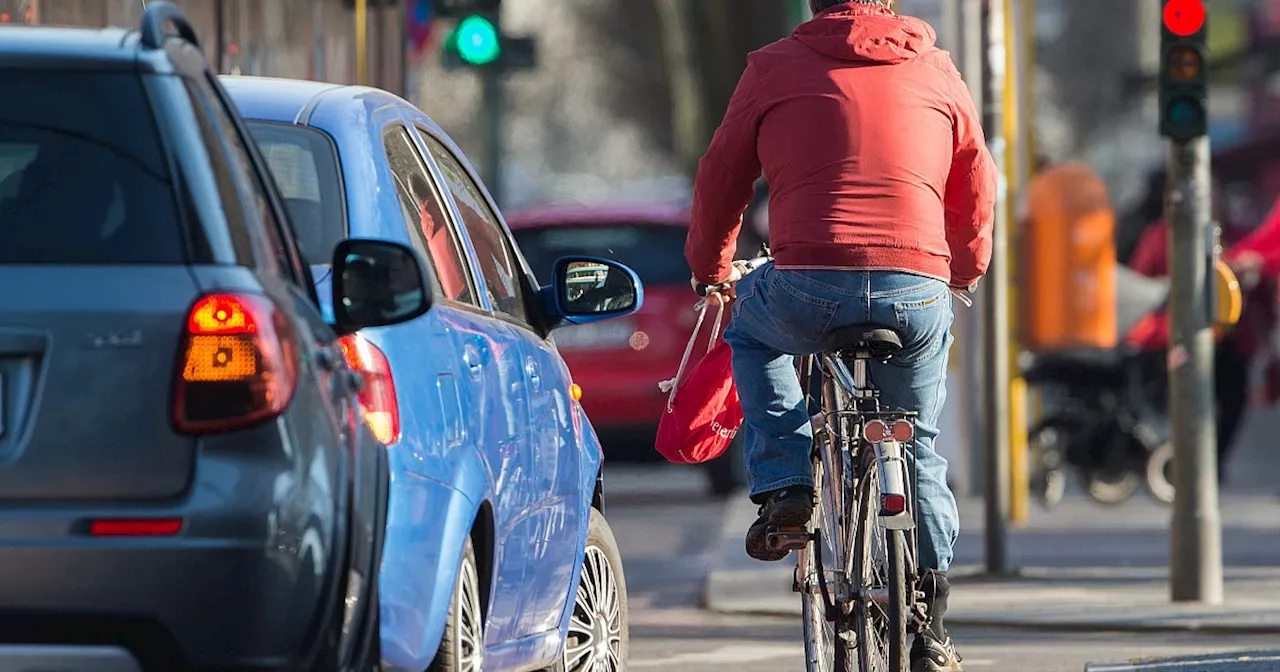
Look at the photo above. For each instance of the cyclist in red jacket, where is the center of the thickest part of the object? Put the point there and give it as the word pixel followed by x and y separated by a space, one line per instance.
pixel 882 195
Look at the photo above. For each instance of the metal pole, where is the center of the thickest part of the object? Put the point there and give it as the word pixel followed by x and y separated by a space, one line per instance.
pixel 1019 485
pixel 220 34
pixel 995 303
pixel 494 105
pixel 970 321
pixel 362 42
pixel 1196 528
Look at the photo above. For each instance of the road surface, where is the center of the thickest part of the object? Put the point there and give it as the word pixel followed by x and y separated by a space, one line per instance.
pixel 667 530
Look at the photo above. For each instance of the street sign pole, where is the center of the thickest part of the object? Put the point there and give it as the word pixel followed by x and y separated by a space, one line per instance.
pixel 1196 526
pixel 995 302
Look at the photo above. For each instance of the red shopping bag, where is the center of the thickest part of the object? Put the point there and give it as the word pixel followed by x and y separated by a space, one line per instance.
pixel 703 413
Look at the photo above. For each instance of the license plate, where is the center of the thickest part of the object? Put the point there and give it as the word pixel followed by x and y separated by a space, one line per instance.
pixel 606 335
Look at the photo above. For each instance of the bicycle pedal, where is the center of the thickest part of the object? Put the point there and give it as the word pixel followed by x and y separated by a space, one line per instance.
pixel 787 538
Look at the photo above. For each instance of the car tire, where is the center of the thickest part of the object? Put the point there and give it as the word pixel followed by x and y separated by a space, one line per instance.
pixel 462 647
pixel 600 607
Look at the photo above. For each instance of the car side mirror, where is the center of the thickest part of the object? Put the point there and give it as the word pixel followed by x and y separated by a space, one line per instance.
pixel 587 289
pixel 377 283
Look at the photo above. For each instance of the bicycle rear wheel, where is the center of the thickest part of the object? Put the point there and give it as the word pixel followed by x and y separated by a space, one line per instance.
pixel 880 576
pixel 827 643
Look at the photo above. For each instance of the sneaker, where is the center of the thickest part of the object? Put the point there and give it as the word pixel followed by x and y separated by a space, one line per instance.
pixel 788 507
pixel 930 654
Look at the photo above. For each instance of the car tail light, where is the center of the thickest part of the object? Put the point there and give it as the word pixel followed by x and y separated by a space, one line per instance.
pixel 378 394
pixel 239 364
pixel 144 527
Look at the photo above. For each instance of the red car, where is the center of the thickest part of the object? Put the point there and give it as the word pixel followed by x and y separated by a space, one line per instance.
pixel 618 363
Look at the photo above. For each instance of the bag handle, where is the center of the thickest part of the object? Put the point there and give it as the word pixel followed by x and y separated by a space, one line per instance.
pixel 671 385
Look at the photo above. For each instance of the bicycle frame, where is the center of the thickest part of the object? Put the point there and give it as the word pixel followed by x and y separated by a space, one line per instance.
pixel 840 453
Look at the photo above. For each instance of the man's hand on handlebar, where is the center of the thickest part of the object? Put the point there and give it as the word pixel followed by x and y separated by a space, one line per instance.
pixel 721 292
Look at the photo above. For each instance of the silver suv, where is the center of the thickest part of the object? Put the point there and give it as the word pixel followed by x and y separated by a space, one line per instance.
pixel 184 478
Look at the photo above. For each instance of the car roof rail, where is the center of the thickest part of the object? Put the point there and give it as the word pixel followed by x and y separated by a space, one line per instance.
pixel 159 13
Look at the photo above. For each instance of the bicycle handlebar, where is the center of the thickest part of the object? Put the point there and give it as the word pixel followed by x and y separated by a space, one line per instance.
pixel 745 266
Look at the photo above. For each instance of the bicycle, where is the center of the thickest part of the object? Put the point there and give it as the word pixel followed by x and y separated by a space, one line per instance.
pixel 859 597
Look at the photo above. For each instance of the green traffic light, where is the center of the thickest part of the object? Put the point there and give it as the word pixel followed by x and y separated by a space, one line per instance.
pixel 476 40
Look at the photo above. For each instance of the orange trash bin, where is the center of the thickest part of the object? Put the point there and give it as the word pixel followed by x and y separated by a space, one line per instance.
pixel 1067 261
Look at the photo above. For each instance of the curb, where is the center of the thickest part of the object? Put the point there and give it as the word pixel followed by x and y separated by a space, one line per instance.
pixel 1105 627
pixel 1243 660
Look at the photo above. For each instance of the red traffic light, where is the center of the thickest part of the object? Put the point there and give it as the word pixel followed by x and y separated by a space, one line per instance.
pixel 1184 17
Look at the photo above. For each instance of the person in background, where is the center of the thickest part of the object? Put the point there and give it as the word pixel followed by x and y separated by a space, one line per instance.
pixel 1255 258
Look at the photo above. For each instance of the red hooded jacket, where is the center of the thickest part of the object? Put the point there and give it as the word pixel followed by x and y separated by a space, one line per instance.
pixel 873 150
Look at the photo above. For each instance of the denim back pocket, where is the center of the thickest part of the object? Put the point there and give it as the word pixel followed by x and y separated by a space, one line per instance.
pixel 798 307
pixel 924 318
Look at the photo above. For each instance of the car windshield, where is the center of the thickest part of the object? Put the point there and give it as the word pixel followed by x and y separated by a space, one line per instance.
pixel 83 178
pixel 304 163
pixel 654 251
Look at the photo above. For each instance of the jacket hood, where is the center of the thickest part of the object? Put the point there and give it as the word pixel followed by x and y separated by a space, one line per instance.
pixel 853 32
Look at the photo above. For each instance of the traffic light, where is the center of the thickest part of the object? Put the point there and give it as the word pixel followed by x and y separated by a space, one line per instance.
pixel 476 41
pixel 1184 99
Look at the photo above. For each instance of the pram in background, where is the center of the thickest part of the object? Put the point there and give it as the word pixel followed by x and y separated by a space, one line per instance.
pixel 1105 416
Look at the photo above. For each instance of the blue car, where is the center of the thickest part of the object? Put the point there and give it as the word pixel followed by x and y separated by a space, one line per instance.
pixel 496 548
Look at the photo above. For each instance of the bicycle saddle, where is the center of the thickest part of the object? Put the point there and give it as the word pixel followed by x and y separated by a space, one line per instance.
pixel 879 341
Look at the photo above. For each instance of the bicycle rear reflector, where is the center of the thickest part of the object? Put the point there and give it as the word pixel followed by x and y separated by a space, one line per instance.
pixel 877 431
pixel 892 505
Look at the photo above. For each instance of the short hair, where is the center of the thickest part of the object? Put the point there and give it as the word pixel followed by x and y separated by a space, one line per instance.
pixel 816 6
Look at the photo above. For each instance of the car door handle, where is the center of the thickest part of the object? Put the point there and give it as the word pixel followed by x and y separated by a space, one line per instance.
pixel 471 357
pixel 531 370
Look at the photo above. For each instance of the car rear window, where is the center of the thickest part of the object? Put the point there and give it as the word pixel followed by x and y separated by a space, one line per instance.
pixel 83 176
pixel 304 163
pixel 655 252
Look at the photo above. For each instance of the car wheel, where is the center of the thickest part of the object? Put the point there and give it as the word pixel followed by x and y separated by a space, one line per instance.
pixel 462 648
pixel 598 637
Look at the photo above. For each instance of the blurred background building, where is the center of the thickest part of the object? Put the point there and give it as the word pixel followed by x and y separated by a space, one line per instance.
pixel 626 94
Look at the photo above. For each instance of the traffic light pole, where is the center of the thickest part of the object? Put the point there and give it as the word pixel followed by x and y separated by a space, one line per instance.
pixel 493 77
pixel 1195 537
pixel 1196 534
pixel 495 105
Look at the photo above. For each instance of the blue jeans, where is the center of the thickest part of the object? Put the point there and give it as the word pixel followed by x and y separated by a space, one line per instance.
pixel 780 313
